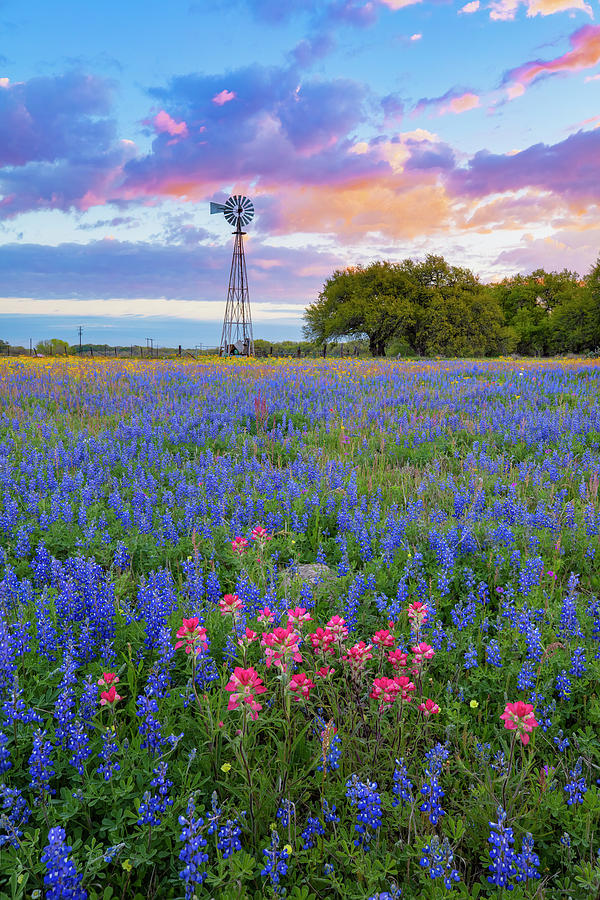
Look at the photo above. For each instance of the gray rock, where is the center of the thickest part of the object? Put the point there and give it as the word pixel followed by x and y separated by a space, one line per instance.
pixel 309 572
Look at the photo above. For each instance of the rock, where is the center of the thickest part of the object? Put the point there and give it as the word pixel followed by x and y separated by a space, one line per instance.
pixel 309 572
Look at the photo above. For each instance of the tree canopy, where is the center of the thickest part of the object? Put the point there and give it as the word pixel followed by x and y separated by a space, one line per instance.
pixel 436 309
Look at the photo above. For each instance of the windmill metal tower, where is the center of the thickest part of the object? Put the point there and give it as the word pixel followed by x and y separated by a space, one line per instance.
pixel 236 337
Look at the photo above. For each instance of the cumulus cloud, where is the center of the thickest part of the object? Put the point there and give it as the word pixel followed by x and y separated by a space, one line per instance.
pixel 58 145
pixel 162 121
pixel 283 128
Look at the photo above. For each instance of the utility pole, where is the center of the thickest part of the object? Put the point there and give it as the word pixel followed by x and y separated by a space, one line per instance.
pixel 80 331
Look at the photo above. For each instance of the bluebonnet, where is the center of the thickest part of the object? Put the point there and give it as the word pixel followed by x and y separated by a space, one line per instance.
pixel 41 768
pixel 14 814
pixel 403 786
pixel 498 763
pixel 149 728
pixel 5 761
pixel 285 811
pixel 563 685
pixel 313 827
pixel 438 858
pixel 527 861
pixel 364 795
pixel 433 792
pixel 192 854
pixel 228 837
pixel 62 880
pixel 277 860
pixel 578 662
pixel 64 708
pixel 108 766
pixel 568 626
pixel 79 746
pixel 149 810
pixel 214 815
pixel 88 701
pixel 503 866
pixel 576 787
pixel 393 894
pixel 527 676
pixel 330 812
pixel 492 654
pixel 470 658
pixel 561 742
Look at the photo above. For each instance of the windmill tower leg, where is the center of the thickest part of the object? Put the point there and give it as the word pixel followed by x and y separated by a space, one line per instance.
pixel 237 323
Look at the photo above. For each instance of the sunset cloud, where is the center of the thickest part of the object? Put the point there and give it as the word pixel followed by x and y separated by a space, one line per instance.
pixel 223 96
pixel 568 169
pixel 162 121
pixel 585 53
pixel 461 104
pixel 453 101
pixel 506 10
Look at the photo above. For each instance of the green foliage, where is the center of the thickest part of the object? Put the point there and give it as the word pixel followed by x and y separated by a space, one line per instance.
pixel 432 308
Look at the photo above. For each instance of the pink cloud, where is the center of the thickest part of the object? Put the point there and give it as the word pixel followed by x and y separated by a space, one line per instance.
pixel 585 52
pixel 453 101
pixel 572 249
pixel 223 96
pixel 505 10
pixel 461 104
pixel 469 7
pixel 164 123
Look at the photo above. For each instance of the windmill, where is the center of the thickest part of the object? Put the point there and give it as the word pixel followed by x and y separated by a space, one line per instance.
pixel 236 337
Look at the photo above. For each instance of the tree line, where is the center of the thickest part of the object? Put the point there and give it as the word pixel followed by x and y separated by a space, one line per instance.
pixel 432 308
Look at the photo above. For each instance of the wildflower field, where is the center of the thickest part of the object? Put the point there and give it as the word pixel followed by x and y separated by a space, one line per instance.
pixel 186 710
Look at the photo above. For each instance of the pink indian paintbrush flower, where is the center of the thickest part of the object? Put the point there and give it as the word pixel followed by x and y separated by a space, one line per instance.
pixel 429 708
pixel 322 640
pixel 239 544
pixel 398 659
pixel 247 638
pixel 259 534
pixel 520 717
pixel 405 686
pixel 421 652
pixel 301 685
pixel 324 672
pixel 298 616
pixel 417 613
pixel 230 604
pixel 108 678
pixel 384 638
pixel 109 697
pixel 385 690
pixel 265 615
pixel 357 656
pixel 192 635
pixel 338 627
pixel 281 647
pixel 244 685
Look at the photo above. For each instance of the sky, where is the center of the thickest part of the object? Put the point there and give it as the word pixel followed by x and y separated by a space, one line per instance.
pixel 360 129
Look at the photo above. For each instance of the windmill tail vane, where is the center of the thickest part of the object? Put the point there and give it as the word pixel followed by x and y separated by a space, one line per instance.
pixel 236 337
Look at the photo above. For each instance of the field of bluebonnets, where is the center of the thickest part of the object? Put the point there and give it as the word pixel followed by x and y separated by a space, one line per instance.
pixel 186 711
